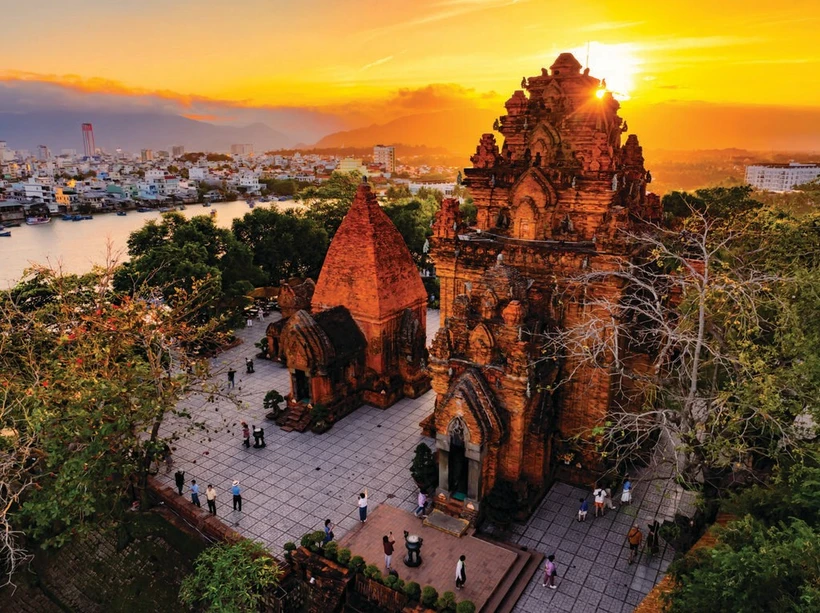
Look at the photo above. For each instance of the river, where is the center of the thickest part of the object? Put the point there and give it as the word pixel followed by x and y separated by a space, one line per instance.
pixel 75 246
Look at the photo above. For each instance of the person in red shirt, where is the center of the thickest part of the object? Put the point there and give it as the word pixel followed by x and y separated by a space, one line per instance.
pixel 388 541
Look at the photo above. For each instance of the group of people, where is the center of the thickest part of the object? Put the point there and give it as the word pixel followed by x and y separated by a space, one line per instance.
pixel 258 436
pixel 603 499
pixel 210 493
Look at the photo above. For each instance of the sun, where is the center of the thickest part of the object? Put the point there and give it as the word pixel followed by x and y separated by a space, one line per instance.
pixel 617 63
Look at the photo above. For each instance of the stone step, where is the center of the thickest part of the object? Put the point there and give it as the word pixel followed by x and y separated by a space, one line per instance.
pixel 516 579
pixel 447 523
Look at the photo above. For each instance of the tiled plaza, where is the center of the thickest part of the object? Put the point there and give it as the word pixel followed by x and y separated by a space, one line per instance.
pixel 300 479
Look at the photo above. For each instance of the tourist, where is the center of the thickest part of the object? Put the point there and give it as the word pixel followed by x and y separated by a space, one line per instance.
pixel 582 510
pixel 249 322
pixel 195 493
pixel 231 378
pixel 246 434
pixel 635 536
pixel 260 314
pixel 363 506
pixel 626 495
pixel 609 502
pixel 600 496
pixel 550 573
pixel 248 366
pixel 422 505
pixel 328 531
pixel 179 478
pixel 258 437
pixel 461 573
pixel 387 543
pixel 237 496
pixel 210 496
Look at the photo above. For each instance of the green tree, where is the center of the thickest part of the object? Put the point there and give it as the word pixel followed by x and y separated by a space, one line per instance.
pixel 766 560
pixel 398 192
pixel 178 252
pixel 284 245
pixel 87 378
pixel 329 202
pixel 230 578
pixel 413 220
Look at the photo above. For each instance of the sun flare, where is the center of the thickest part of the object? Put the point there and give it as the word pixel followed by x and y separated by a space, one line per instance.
pixel 617 64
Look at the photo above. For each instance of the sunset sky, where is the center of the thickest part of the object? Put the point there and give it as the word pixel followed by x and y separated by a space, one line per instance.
pixel 328 54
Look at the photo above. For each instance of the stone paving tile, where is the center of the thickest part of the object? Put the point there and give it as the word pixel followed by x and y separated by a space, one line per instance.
pixel 299 480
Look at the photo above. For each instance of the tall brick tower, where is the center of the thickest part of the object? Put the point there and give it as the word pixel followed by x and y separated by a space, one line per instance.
pixel 551 203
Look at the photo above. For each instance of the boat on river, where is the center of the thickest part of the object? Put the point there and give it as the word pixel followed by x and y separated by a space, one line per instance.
pixel 144 209
pixel 37 220
pixel 121 213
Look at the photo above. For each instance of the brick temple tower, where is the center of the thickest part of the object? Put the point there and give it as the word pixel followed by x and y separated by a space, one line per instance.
pixel 551 203
pixel 364 340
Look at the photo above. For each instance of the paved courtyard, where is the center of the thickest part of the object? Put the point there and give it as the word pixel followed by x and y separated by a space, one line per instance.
pixel 300 479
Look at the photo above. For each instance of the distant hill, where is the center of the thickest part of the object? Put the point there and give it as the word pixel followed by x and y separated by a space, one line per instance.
pixel 130 131
pixel 671 125
pixel 456 131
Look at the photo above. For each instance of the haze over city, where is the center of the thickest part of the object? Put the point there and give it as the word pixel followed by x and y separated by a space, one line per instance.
pixel 743 74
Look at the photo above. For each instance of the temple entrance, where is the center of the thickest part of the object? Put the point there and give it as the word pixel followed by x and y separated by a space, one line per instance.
pixel 458 470
pixel 301 386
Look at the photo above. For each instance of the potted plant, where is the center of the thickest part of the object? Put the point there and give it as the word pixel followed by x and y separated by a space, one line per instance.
pixel 319 418
pixel 271 404
pixel 262 345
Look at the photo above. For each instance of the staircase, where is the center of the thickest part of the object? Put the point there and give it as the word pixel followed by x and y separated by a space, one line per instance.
pixel 507 593
pixel 296 417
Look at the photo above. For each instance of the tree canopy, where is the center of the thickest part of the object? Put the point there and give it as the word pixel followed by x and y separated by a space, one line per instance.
pixel 329 202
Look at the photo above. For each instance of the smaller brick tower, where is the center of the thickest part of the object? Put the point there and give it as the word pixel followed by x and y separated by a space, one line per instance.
pixel 368 278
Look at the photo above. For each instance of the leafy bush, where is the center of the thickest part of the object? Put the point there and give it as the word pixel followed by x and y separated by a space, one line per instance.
pixel 356 564
pixel 413 590
pixel 465 606
pixel 272 400
pixel 424 469
pixel 263 347
pixel 290 547
pixel 331 550
pixel 429 596
pixel 313 540
pixel 343 557
pixel 319 414
pixel 372 572
pixel 230 578
pixel 391 581
pixel 446 603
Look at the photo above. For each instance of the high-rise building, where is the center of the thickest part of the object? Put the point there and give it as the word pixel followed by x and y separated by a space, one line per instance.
pixel 242 149
pixel 89 148
pixel 385 156
pixel 177 151
pixel 146 155
pixel 43 153
pixel 781 177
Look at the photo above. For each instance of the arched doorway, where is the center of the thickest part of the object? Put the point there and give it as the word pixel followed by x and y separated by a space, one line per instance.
pixel 458 469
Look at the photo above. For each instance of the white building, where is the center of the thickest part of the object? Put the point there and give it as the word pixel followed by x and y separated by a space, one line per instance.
pixel 386 157
pixel 781 177
pixel 250 182
pixel 352 165
pixel 197 173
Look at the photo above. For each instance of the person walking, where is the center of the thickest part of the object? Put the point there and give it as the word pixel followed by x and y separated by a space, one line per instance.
pixel 231 378
pixel 249 322
pixel 635 536
pixel 195 493
pixel 179 479
pixel 258 437
pixel 461 573
pixel 248 366
pixel 550 573
pixel 210 496
pixel 582 510
pixel 388 541
pixel 237 496
pixel 328 531
pixel 246 435
pixel 609 502
pixel 626 495
pixel 362 502
pixel 260 314
pixel 422 505
pixel 600 496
